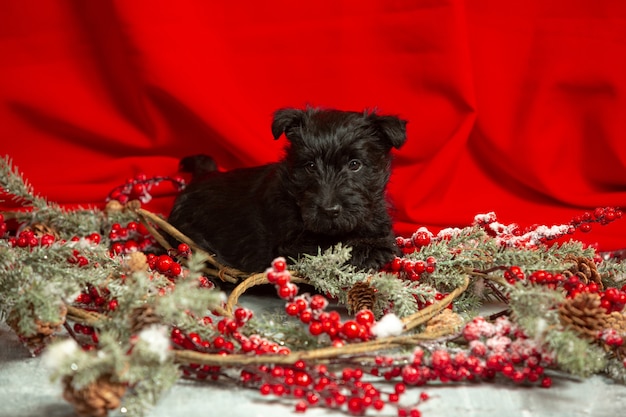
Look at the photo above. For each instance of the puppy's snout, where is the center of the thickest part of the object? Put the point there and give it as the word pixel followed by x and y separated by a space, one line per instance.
pixel 332 211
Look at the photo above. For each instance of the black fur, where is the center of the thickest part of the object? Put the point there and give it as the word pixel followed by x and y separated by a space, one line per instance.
pixel 329 188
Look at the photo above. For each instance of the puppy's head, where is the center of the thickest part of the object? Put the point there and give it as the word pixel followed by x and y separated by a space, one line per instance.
pixel 338 164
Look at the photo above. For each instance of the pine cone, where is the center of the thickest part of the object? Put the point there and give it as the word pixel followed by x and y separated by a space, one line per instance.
pixel 44 332
pixel 95 399
pixel 40 229
pixel 445 322
pixel 361 296
pixel 584 314
pixel 113 206
pixel 142 317
pixel 136 261
pixel 585 269
pixel 617 321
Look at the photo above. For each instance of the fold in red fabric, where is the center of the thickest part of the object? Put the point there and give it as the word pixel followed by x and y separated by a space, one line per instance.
pixel 516 107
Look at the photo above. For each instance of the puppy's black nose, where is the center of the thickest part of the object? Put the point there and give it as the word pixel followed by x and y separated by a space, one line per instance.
pixel 333 211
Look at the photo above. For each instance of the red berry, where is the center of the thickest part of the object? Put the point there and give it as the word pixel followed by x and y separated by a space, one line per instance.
pixel 365 317
pixel 400 388
pixel 312 398
pixel 265 389
pixel 301 407
pixel 318 302
pixel 355 405
pixel 351 329
pixel 113 304
pixel 303 379
pixel 301 304
pixel 117 248
pixel 410 375
pixel 175 269
pixel 84 298
pixel 287 291
pixel 271 277
pixel 306 316
pixel 183 249
pixel 396 264
pixel 440 359
pixel 46 240
pixel 316 328
pixel 414 412
pixel 279 264
pixel 137 190
pixel 546 382
pixel 421 238
pixel 164 263
pixel 291 309
pixel 419 267
pixel 130 246
pixel 281 279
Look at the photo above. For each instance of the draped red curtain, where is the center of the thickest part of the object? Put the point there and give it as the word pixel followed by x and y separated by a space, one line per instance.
pixel 517 107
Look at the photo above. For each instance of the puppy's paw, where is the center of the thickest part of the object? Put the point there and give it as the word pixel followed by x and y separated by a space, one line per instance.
pixel 373 257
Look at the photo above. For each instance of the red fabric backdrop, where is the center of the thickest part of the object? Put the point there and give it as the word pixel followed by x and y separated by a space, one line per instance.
pixel 517 107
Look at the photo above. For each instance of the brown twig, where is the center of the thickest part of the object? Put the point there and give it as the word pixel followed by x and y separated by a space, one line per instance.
pixel 84 316
pixel 225 273
pixel 253 281
pixel 186 356
pixel 496 292
pixel 432 310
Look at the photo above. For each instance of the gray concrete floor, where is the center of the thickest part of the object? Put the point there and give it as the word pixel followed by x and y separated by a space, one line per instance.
pixel 25 391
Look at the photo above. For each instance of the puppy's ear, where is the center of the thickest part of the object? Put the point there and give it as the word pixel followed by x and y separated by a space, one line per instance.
pixel 391 128
pixel 284 119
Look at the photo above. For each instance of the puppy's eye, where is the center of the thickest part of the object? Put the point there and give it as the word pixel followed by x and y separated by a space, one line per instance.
pixel 310 167
pixel 355 165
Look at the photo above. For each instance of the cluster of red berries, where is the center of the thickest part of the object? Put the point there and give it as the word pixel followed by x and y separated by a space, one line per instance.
pixel 130 238
pixel 422 237
pixel 29 239
pixel 612 338
pixel 225 339
pixel 494 348
pixel 513 235
pixel 92 299
pixel 96 299
pixel 515 274
pixel 281 278
pixel 601 215
pixel 411 270
pixel 317 386
pixel 89 332
pixel 311 310
pixel 612 299
pixel 165 265
pixel 139 188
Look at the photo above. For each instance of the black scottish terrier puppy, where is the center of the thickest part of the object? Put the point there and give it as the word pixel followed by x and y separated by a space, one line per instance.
pixel 329 188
